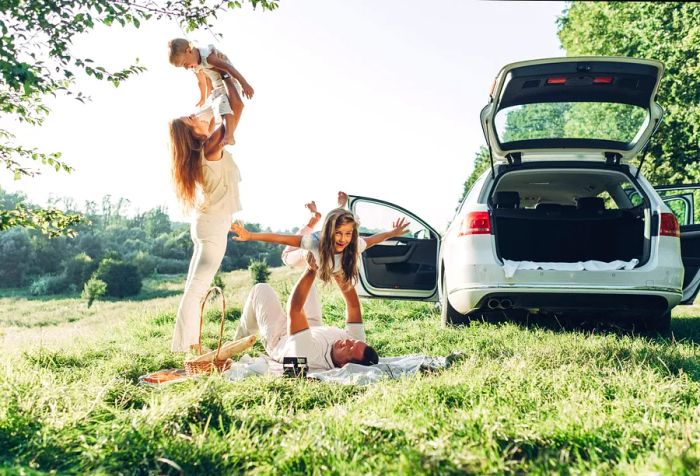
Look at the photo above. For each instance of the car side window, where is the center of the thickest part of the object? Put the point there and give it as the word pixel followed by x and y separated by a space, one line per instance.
pixel 378 218
pixel 474 193
pixel 634 196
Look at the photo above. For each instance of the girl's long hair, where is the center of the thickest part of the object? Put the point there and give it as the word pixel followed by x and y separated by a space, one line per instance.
pixel 186 161
pixel 348 260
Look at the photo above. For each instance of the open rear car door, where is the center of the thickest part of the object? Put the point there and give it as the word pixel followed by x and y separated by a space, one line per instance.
pixel 683 200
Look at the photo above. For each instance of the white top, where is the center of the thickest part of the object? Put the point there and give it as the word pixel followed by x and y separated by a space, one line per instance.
pixel 315 343
pixel 220 194
pixel 206 68
pixel 312 241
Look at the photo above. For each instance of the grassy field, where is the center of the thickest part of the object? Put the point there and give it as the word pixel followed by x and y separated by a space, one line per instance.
pixel 523 399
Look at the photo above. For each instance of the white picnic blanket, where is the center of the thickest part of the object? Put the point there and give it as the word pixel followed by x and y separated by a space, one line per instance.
pixel 510 267
pixel 350 374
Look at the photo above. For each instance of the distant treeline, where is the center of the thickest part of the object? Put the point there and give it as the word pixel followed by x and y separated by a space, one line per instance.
pixel 149 241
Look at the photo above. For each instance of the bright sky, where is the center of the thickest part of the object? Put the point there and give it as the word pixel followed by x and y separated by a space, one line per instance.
pixel 377 98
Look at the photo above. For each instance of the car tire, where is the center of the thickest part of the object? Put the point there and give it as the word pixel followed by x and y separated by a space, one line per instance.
pixel 659 324
pixel 449 315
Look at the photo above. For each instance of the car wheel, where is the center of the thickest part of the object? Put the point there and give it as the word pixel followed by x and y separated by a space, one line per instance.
pixel 448 314
pixel 658 324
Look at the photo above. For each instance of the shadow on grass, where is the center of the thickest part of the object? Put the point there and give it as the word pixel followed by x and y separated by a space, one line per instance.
pixel 686 329
pixel 666 354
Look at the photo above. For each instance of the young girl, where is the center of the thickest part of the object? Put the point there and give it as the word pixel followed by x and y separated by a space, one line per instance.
pixel 206 182
pixel 295 257
pixel 336 249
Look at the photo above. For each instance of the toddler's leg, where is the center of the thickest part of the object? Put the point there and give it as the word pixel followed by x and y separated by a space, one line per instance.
pixel 235 103
pixel 230 126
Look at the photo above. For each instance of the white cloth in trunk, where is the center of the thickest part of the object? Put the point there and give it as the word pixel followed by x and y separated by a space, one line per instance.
pixel 510 267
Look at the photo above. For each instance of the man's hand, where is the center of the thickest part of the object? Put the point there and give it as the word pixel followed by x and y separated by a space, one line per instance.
pixel 311 264
pixel 342 199
pixel 342 283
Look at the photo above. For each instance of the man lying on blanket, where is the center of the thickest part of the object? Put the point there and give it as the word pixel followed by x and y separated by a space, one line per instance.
pixel 303 334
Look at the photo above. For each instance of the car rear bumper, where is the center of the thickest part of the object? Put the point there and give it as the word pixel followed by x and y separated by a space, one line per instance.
pixel 571 299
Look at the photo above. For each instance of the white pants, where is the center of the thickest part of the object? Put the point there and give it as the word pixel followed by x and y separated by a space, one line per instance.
pixel 296 258
pixel 209 234
pixel 263 315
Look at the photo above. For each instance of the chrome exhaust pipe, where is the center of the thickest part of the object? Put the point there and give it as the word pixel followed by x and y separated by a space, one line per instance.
pixel 505 303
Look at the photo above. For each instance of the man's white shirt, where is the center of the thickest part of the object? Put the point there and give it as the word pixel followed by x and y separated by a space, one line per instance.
pixel 315 343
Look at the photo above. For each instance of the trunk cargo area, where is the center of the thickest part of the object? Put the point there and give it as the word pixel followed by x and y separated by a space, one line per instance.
pixel 565 234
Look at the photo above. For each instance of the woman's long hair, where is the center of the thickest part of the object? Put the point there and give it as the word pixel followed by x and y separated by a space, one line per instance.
pixel 186 161
pixel 348 260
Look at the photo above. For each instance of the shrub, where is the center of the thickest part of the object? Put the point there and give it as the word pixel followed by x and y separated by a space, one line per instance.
pixel 145 263
pixel 122 279
pixel 48 284
pixel 171 265
pixel 78 269
pixel 94 289
pixel 218 282
pixel 259 271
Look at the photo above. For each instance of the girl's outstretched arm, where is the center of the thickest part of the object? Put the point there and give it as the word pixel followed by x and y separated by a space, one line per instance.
pixel 279 238
pixel 399 225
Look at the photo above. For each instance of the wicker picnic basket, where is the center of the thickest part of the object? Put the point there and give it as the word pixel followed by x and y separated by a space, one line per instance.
pixel 193 366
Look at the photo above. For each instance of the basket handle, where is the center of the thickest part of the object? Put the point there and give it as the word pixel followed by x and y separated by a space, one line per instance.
pixel 223 317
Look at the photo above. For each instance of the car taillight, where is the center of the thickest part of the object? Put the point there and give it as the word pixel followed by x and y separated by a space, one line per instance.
pixel 556 80
pixel 603 80
pixel 669 225
pixel 475 223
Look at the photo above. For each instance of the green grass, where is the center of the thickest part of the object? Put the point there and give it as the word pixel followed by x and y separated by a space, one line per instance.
pixel 522 400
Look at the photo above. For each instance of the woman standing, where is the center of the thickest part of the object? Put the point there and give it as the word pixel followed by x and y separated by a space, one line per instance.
pixel 206 182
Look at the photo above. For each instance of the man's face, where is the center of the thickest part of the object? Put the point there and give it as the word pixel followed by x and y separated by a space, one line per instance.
pixel 347 350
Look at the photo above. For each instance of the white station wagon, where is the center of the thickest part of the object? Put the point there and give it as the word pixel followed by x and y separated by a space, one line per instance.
pixel 562 223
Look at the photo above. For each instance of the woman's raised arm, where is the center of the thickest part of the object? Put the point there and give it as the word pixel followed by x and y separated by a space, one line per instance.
pixel 214 144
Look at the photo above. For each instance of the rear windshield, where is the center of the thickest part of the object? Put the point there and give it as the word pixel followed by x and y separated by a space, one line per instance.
pixel 570 120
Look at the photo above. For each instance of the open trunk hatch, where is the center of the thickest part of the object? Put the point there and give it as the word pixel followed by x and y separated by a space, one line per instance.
pixel 586 108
